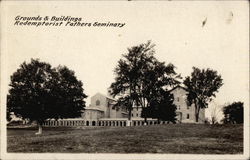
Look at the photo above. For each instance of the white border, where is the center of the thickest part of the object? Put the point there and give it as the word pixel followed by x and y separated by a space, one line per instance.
pixel 5 155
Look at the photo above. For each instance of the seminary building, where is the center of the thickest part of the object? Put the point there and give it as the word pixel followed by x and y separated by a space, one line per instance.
pixel 101 112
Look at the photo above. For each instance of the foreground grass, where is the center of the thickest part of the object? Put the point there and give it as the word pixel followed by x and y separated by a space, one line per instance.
pixel 171 138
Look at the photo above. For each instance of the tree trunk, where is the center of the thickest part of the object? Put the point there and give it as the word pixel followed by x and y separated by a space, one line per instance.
pixel 197 117
pixel 145 121
pixel 129 122
pixel 213 120
pixel 196 113
pixel 129 116
pixel 158 121
pixel 40 130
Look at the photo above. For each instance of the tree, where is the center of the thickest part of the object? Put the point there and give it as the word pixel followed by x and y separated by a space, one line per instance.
pixel 201 87
pixel 164 109
pixel 167 109
pixel 8 113
pixel 214 113
pixel 69 94
pixel 157 82
pixel 140 76
pixel 129 72
pixel 233 113
pixel 39 92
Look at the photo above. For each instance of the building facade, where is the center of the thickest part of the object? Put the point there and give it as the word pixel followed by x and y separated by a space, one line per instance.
pixel 185 113
pixel 102 107
pixel 102 112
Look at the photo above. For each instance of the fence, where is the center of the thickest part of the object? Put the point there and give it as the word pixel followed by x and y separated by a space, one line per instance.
pixel 117 123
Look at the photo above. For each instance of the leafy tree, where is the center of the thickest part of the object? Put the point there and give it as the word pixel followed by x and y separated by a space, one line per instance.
pixel 202 86
pixel 69 94
pixel 8 114
pixel 129 72
pixel 140 77
pixel 158 79
pixel 39 92
pixel 167 109
pixel 151 111
pixel 164 109
pixel 233 113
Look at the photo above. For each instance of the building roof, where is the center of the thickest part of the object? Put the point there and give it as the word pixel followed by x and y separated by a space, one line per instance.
pixel 178 86
pixel 95 108
pixel 79 118
pixel 113 119
pixel 105 96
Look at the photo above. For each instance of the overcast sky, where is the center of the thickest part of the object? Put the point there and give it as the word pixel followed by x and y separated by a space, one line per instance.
pixel 175 27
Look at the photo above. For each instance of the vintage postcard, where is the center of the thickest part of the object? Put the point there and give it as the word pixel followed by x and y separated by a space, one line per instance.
pixel 124 80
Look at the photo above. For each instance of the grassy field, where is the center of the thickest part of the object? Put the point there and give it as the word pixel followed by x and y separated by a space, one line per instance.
pixel 171 138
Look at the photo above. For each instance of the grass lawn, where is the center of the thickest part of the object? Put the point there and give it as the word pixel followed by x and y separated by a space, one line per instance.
pixel 171 138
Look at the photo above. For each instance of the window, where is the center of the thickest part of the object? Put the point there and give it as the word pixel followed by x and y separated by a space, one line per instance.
pixel 179 106
pixel 132 115
pixel 137 115
pixel 97 103
pixel 187 116
pixel 178 99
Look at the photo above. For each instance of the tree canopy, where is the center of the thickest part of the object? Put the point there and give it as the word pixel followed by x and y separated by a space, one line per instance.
pixel 202 86
pixel 140 77
pixel 233 113
pixel 163 109
pixel 39 92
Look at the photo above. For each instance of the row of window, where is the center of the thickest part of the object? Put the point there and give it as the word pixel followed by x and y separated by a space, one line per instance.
pixel 179 107
pixel 178 99
pixel 98 102
pixel 137 115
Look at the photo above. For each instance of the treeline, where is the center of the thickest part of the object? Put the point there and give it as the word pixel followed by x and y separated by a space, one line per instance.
pixel 39 92
pixel 142 80
pixel 233 113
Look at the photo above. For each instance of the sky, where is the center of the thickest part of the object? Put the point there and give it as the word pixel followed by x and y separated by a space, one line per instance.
pixel 176 28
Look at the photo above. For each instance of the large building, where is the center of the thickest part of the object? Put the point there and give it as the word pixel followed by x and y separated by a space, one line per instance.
pixel 102 112
pixel 102 107
pixel 185 113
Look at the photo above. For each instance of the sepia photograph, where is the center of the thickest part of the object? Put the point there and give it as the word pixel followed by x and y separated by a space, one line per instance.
pixel 124 80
